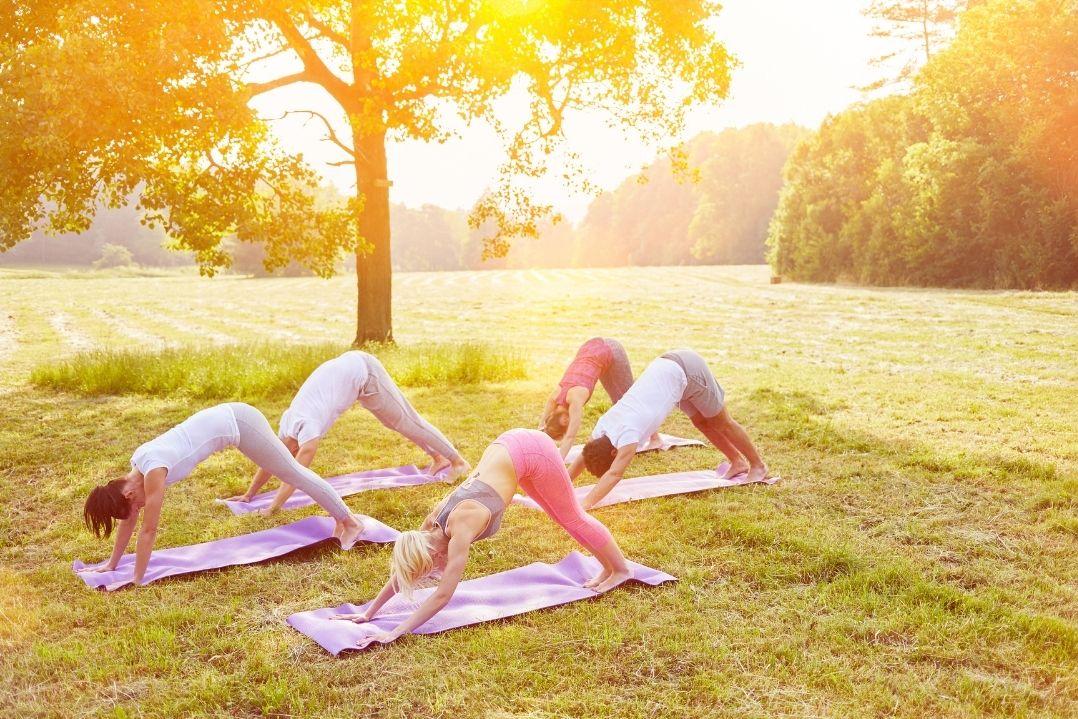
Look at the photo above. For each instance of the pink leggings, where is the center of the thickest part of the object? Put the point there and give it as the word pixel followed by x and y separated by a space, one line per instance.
pixel 542 475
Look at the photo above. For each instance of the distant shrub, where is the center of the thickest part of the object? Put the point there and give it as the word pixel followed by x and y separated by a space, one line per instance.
pixel 114 256
pixel 257 370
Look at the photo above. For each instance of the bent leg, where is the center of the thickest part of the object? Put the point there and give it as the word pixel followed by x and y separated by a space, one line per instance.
pixel 385 401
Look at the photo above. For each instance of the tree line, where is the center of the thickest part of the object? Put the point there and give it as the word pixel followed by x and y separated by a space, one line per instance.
pixel 711 205
pixel 968 180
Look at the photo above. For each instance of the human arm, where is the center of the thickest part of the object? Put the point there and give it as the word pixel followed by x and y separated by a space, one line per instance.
pixel 154 483
pixel 611 477
pixel 576 466
pixel 366 615
pixel 576 415
pixel 457 552
pixel 124 529
pixel 547 409
pixel 257 482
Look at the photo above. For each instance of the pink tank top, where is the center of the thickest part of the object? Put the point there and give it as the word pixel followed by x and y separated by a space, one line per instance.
pixel 592 359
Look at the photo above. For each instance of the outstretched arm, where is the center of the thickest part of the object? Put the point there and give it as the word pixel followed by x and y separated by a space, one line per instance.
pixel 151 513
pixel 387 593
pixel 576 415
pixel 259 480
pixel 576 466
pixel 124 529
pixel 454 570
pixel 547 409
pixel 612 477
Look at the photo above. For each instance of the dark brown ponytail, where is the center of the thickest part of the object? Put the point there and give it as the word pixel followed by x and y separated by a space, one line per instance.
pixel 556 426
pixel 105 504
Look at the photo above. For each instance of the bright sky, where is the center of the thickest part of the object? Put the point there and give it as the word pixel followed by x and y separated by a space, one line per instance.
pixel 800 61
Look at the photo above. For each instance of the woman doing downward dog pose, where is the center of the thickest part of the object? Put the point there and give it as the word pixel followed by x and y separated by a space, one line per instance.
pixel 522 458
pixel 331 389
pixel 597 360
pixel 174 455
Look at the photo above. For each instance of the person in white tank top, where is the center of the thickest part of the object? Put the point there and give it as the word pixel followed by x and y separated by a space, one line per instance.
pixel 680 378
pixel 335 386
pixel 172 456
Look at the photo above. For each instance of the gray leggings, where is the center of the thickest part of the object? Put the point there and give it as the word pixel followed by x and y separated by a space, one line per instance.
pixel 618 378
pixel 260 445
pixel 382 398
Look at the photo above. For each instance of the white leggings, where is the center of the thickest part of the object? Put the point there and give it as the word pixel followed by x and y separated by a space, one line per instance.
pixel 382 398
pixel 259 444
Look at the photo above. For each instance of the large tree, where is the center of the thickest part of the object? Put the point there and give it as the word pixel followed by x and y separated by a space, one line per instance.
pixel 105 97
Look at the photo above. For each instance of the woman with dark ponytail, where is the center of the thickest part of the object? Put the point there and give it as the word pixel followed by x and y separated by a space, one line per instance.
pixel 173 455
pixel 598 360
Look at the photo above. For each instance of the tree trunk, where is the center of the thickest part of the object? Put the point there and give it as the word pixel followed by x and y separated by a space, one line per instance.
pixel 374 270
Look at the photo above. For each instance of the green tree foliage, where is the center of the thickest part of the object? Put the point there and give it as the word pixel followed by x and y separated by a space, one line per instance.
pixel 969 181
pixel 114 256
pixel 103 96
pixel 718 214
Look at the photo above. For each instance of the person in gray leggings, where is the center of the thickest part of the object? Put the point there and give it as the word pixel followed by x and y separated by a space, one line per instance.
pixel 172 456
pixel 334 387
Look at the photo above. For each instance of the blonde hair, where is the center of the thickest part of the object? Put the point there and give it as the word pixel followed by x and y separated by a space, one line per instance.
pixel 411 561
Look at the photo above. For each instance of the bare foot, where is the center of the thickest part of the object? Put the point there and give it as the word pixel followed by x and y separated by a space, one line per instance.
pixel 654 442
pixel 739 467
pixel 268 511
pixel 613 580
pixel 600 577
pixel 757 473
pixel 460 468
pixel 352 529
pixel 438 464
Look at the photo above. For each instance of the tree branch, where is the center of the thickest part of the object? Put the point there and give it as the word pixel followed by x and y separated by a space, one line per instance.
pixel 314 67
pixel 323 28
pixel 257 88
pixel 331 134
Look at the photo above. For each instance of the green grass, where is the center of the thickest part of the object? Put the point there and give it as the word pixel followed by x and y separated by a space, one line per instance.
pixel 259 370
pixel 917 560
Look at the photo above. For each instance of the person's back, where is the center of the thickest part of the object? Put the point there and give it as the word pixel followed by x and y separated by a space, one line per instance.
pixel 183 447
pixel 332 388
pixel 644 407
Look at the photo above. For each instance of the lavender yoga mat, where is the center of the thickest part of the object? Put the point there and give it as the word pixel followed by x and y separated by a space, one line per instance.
pixel 669 441
pixel 244 549
pixel 658 485
pixel 346 484
pixel 496 596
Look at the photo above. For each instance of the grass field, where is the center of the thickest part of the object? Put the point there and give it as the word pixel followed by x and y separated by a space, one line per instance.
pixel 918 560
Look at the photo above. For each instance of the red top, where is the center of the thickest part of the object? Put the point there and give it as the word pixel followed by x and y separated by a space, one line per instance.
pixel 592 359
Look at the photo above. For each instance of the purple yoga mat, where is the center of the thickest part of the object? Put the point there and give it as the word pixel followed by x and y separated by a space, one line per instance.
pixel 496 596
pixel 346 484
pixel 657 485
pixel 669 441
pixel 244 549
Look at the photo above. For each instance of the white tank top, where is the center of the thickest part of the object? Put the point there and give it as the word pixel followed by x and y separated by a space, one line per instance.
pixel 330 390
pixel 183 447
pixel 641 411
